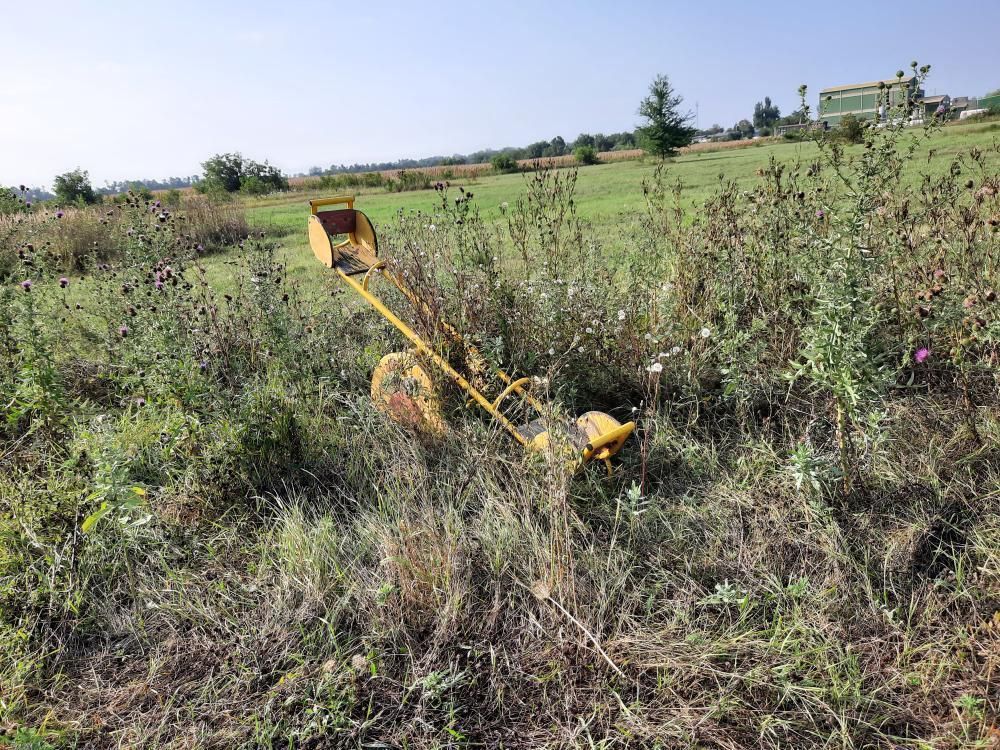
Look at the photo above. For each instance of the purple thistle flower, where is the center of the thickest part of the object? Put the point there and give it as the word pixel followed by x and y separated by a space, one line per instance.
pixel 203 365
pixel 158 284
pixel 26 285
pixel 59 214
pixel 921 354
pixel 200 248
pixel 140 401
pixel 820 215
pixel 63 282
pixel 123 331
pixel 27 204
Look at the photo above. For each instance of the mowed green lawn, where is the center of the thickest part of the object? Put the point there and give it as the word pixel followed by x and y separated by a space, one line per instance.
pixel 609 195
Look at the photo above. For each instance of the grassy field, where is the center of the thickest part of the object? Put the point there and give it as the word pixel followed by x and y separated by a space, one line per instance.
pixel 210 537
pixel 608 195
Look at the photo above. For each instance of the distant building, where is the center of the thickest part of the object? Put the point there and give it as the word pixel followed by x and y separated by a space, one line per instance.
pixel 936 105
pixel 962 103
pixel 866 101
pixel 989 102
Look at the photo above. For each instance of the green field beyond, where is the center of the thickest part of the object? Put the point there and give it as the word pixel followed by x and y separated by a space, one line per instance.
pixel 608 195
pixel 605 191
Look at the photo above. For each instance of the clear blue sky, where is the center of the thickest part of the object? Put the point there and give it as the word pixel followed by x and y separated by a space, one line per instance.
pixel 143 89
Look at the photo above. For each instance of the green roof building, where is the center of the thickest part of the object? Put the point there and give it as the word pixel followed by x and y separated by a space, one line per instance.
pixel 865 100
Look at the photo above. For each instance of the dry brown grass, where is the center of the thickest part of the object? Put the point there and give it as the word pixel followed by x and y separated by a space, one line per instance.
pixel 99 233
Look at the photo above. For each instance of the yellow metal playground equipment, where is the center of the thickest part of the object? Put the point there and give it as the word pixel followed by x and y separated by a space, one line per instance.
pixel 400 385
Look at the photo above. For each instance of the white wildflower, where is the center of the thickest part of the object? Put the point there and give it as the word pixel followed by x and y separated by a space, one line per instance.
pixel 621 315
pixel 588 329
pixel 705 333
pixel 655 367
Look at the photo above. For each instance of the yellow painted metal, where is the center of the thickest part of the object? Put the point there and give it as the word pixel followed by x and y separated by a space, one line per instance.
pixel 457 337
pixel 517 384
pixel 364 234
pixel 319 240
pixel 425 350
pixel 402 389
pixel 605 434
pixel 593 436
pixel 373 270
pixel 336 200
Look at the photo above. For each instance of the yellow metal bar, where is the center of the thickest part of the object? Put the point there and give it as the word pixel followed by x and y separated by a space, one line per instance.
pixel 374 269
pixel 423 348
pixel 608 438
pixel 332 201
pixel 516 385
pixel 454 334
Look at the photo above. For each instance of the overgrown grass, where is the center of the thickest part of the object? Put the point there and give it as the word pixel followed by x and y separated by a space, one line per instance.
pixel 210 538
pixel 76 238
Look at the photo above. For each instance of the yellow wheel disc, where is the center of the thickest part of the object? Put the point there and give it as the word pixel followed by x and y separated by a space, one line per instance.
pixel 403 390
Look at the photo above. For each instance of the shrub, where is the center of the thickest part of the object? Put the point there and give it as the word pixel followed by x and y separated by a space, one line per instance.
pixel 503 163
pixel 408 180
pixel 75 188
pixel 851 129
pixel 585 155
pixel 253 185
pixel 227 173
pixel 13 201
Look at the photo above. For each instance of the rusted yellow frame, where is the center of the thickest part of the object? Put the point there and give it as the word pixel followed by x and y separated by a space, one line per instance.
pixel 590 451
pixel 423 348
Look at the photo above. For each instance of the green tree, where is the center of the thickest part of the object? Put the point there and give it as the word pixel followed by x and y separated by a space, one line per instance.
pixel 536 150
pixel 795 118
pixel 75 187
pixel 667 128
pixel 228 173
pixel 765 114
pixel 744 128
pixel 586 155
pixel 557 147
pixel 603 142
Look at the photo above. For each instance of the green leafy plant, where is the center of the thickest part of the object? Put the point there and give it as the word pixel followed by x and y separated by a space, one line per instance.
pixel 585 155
